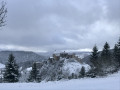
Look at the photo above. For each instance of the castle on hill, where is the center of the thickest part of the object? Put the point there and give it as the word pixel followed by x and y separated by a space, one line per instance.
pixel 57 56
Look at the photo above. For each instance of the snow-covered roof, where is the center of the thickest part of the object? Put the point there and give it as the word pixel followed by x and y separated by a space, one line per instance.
pixel 51 57
pixel 29 69
pixel 2 65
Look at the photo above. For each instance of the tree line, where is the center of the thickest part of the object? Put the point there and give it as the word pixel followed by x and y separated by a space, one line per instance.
pixel 12 72
pixel 105 61
pixel 102 63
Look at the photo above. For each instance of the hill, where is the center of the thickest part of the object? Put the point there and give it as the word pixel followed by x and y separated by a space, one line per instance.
pixel 23 58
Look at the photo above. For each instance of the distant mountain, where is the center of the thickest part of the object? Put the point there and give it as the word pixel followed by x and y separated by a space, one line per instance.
pixel 21 57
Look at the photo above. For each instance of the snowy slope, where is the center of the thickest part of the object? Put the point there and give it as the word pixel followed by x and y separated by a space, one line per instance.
pixel 2 65
pixel 61 69
pixel 111 82
pixel 74 66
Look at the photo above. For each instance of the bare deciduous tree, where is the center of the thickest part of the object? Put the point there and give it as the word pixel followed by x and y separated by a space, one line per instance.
pixel 3 12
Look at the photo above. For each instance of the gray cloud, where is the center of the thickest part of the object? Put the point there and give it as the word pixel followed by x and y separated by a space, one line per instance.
pixel 61 24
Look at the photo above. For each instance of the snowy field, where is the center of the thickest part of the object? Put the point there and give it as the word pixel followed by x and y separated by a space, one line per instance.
pixel 112 82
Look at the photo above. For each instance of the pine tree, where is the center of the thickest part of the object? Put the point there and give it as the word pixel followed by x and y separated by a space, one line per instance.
pixel 94 57
pixel 33 74
pixel 115 58
pixel 11 70
pixel 117 52
pixel 106 59
pixel 82 72
pixel 106 54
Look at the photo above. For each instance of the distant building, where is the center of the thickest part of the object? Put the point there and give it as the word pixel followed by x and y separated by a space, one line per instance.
pixel 57 56
pixel 51 59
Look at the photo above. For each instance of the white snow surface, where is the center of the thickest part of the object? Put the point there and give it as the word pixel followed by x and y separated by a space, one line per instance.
pixel 112 82
pixel 2 65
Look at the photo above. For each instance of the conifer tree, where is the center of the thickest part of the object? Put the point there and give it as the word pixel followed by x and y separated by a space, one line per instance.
pixel 115 58
pixel 106 53
pixel 11 70
pixel 94 57
pixel 106 59
pixel 82 72
pixel 117 52
pixel 33 74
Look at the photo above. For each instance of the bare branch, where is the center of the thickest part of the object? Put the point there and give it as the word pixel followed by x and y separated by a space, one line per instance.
pixel 3 12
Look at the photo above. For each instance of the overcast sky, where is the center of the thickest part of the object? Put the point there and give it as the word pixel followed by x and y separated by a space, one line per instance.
pixel 46 25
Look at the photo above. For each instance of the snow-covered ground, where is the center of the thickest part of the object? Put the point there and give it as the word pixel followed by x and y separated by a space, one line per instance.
pixel 112 82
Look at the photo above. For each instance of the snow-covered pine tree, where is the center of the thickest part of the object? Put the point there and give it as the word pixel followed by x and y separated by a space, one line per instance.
pixel 11 70
pixel 82 72
pixel 107 65
pixel 94 57
pixel 115 52
pixel 106 55
pixel 95 62
pixel 115 55
pixel 118 52
pixel 33 74
pixel 115 59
